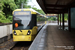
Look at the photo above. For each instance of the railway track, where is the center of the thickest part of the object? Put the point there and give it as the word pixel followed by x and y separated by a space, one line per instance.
pixel 21 46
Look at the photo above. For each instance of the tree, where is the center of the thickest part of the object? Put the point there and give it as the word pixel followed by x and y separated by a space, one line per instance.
pixel 6 9
pixel 38 10
pixel 18 3
pixel 65 17
pixel 27 6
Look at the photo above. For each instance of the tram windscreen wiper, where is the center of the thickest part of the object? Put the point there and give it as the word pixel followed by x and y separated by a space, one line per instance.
pixel 20 30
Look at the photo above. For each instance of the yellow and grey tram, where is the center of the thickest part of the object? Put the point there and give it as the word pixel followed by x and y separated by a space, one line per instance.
pixel 24 25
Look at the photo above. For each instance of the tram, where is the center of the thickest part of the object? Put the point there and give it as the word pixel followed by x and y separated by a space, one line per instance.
pixel 24 25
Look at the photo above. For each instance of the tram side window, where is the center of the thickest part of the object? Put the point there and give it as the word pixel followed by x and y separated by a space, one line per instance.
pixel 33 21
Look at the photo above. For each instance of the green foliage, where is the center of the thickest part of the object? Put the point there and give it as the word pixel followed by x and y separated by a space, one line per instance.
pixel 41 18
pixel 10 17
pixel 18 3
pixel 52 19
pixel 39 10
pixel 65 17
pixel 27 6
pixel 3 19
pixel 7 6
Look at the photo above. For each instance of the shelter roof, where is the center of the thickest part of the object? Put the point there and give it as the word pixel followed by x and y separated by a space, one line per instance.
pixel 56 6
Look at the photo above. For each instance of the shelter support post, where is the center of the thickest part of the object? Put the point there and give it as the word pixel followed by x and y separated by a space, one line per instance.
pixel 63 21
pixel 69 19
pixel 58 19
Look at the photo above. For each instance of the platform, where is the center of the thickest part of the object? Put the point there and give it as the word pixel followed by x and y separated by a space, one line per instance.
pixel 52 38
pixel 40 40
pixel 59 39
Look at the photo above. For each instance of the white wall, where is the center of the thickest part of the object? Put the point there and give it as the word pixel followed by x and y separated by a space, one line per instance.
pixel 5 30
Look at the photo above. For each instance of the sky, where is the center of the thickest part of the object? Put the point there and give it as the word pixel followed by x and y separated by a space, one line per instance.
pixel 34 3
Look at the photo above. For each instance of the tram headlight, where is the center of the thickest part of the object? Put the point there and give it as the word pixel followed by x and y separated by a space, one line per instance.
pixel 28 32
pixel 15 33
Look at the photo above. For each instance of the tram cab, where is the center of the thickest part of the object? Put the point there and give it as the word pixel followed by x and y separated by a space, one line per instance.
pixel 24 25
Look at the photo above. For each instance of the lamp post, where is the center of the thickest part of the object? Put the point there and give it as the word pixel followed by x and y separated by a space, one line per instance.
pixel 22 3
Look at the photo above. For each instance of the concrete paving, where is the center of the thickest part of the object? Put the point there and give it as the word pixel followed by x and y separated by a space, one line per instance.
pixel 39 41
pixel 59 39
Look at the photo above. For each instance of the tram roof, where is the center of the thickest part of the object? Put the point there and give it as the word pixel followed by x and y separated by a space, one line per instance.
pixel 25 9
pixel 56 6
pixel 32 10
